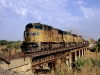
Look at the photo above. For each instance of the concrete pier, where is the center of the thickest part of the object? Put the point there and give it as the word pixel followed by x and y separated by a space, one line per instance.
pixel 18 65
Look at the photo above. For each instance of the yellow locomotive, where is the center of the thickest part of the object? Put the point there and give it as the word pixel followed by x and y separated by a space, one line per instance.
pixel 38 37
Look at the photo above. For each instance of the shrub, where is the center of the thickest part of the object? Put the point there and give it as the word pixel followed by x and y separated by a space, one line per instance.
pixel 80 62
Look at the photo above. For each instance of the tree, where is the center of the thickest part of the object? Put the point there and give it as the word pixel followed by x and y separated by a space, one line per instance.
pixel 99 40
pixel 98 44
pixel 16 47
pixel 95 47
pixel 3 42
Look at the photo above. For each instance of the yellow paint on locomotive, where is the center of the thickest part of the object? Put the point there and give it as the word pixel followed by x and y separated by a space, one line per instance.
pixel 35 38
pixel 80 39
pixel 55 35
pixel 68 37
pixel 45 35
pixel 77 38
pixel 52 36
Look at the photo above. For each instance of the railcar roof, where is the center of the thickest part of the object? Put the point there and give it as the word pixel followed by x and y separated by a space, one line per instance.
pixel 75 35
pixel 38 23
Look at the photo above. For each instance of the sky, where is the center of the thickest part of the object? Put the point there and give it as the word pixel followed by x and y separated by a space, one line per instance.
pixel 80 17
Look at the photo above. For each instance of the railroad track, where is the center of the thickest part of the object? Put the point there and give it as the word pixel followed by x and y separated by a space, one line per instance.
pixel 10 57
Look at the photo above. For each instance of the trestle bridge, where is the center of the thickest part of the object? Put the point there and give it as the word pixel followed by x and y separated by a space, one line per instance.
pixel 44 60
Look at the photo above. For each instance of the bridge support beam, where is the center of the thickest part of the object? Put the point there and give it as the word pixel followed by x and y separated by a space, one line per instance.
pixel 70 60
pixel 79 53
pixel 51 65
pixel 82 53
pixel 76 55
pixel 85 49
pixel 67 59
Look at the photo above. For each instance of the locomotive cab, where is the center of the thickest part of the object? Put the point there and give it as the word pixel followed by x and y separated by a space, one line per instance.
pixel 32 36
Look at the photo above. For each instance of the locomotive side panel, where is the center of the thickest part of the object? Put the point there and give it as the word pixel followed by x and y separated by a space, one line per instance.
pixel 55 35
pixel 80 40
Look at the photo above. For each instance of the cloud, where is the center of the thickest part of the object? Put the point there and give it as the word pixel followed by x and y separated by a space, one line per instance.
pixel 81 2
pixel 21 11
pixel 90 12
pixel 74 15
pixel 91 16
pixel 6 3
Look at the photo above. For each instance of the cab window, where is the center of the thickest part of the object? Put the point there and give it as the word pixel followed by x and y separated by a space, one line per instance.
pixel 38 27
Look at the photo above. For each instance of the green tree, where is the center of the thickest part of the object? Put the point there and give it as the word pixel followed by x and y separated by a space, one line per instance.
pixel 98 44
pixel 3 42
pixel 99 40
pixel 10 47
pixel 16 46
pixel 4 50
pixel 95 47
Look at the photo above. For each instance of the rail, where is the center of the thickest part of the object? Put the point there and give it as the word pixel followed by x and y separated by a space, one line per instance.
pixel 7 59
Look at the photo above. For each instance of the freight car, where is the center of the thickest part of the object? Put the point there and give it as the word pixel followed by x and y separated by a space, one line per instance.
pixel 39 37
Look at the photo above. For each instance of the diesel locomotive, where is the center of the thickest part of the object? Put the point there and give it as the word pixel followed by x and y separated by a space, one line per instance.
pixel 39 37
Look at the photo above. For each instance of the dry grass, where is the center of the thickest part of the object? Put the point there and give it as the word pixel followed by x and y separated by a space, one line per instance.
pixel 7 53
pixel 90 54
pixel 2 47
pixel 88 69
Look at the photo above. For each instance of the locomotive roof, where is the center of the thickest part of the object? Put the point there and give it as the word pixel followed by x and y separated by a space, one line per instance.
pixel 69 32
pixel 38 23
pixel 80 36
pixel 74 35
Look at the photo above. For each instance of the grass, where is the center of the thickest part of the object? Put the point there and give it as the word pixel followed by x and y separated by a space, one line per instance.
pixel 90 65
pixel 4 53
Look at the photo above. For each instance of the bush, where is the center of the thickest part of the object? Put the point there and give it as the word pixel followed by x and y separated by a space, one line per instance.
pixel 95 62
pixel 80 62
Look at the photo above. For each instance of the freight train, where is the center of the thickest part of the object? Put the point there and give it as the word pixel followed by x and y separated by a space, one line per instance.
pixel 39 37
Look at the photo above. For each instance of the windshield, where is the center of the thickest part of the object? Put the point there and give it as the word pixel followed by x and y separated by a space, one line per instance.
pixel 38 27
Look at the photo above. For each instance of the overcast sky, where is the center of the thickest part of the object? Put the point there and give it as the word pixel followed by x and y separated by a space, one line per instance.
pixel 78 16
